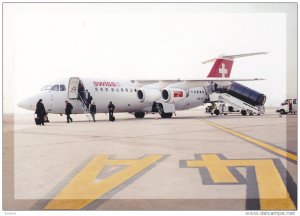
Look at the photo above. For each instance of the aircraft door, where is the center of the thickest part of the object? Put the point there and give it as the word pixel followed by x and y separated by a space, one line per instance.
pixel 73 88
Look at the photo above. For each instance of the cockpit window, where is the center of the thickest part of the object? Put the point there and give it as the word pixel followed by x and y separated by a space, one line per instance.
pixel 62 87
pixel 47 87
pixel 55 88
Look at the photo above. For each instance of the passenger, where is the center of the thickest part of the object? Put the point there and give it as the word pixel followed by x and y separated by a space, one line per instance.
pixel 93 110
pixel 81 92
pixel 290 105
pixel 88 99
pixel 68 111
pixel 111 108
pixel 213 107
pixel 40 112
pixel 46 118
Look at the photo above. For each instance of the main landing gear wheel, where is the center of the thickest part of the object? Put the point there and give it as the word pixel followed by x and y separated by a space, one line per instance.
pixel 244 112
pixel 158 107
pixel 139 114
pixel 217 112
pixel 282 112
pixel 166 115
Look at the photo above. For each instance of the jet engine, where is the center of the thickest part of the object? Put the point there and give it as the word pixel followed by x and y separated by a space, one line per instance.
pixel 148 95
pixel 172 95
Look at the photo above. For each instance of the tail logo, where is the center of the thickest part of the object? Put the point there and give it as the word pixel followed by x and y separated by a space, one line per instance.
pixel 223 70
pixel 225 60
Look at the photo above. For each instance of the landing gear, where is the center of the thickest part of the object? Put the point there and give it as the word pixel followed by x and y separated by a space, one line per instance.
pixel 166 115
pixel 157 107
pixel 282 112
pixel 217 112
pixel 244 112
pixel 139 114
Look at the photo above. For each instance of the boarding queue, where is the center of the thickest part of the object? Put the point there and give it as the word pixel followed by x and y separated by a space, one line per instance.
pixel 41 115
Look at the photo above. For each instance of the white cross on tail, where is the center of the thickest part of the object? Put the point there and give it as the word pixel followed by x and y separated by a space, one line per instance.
pixel 223 70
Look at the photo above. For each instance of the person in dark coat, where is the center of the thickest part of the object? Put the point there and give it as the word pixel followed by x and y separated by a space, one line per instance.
pixel 40 111
pixel 81 92
pixel 88 99
pixel 93 110
pixel 290 105
pixel 68 111
pixel 111 108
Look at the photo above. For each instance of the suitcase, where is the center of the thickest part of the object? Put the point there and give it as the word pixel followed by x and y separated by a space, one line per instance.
pixel 37 121
pixel 111 118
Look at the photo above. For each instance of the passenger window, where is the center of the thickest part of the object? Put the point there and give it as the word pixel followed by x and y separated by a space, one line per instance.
pixel 62 87
pixel 130 90
pixel 106 89
pixel 112 89
pixel 295 101
pixel 121 89
pixel 55 88
pixel 126 90
pixel 117 90
pixel 134 90
pixel 96 89
pixel 101 89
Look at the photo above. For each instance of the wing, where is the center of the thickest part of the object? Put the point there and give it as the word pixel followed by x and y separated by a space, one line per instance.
pixel 160 84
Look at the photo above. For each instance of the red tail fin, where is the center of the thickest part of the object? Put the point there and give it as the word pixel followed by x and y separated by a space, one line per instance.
pixel 221 68
pixel 223 64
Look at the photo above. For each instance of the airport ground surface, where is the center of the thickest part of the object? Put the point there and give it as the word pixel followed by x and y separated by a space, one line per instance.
pixel 193 161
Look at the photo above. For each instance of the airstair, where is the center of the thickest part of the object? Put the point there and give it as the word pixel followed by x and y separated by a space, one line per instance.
pixel 236 103
pixel 85 109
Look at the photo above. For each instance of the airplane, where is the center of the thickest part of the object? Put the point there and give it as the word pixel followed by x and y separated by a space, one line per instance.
pixel 140 96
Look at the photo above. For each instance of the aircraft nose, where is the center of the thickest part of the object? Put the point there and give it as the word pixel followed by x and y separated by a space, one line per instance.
pixel 26 104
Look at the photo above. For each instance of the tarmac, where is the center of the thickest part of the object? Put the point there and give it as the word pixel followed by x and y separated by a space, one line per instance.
pixel 193 161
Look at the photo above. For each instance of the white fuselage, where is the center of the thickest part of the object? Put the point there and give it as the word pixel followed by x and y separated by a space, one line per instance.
pixel 123 94
pixel 138 96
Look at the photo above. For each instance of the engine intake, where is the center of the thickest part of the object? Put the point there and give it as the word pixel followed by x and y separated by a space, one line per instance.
pixel 148 95
pixel 172 95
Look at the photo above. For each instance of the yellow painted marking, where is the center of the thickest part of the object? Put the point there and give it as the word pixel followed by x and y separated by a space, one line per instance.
pixel 255 141
pixel 217 169
pixel 272 191
pixel 84 189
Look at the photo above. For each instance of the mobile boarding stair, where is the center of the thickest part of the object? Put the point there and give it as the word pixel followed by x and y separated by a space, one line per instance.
pixel 238 104
pixel 236 97
pixel 230 104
